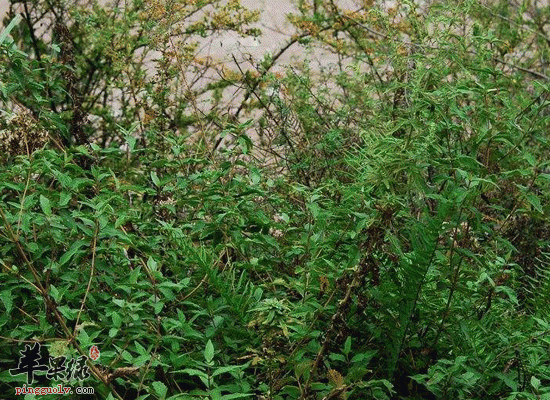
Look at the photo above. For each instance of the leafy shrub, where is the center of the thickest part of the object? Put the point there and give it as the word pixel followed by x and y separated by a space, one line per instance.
pixel 385 237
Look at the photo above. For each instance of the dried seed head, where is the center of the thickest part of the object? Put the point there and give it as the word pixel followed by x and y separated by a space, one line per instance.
pixel 21 134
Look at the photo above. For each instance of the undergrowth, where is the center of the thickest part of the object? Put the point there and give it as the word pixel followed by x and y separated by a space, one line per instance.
pixel 378 230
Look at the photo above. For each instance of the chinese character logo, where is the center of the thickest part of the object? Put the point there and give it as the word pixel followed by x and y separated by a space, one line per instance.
pixel 30 362
pixel 57 368
pixel 77 369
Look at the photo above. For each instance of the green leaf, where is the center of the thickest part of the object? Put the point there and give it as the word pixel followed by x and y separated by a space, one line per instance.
pixel 255 176
pixel 152 264
pixel 155 178
pixel 9 28
pixel 131 141
pixel 55 294
pixel 215 394
pixel 535 382
pixel 117 320
pixel 245 143
pixel 223 370
pixel 140 349
pixel 530 159
pixel 347 345
pixel 160 388
pixel 158 306
pixel 7 298
pixel 236 396
pixel 209 352
pixel 64 179
pixel 167 293
pixel 534 201
pixel 141 360
pixel 194 372
pixel 508 291
pixel 71 252
pixel 83 339
pixel 543 323
pixel 315 210
pixel 64 198
pixel 337 357
pixel 508 380
pixel 45 205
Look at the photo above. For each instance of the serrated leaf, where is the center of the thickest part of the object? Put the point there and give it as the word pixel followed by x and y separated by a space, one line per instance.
pixel 160 388
pixel 255 176
pixel 215 394
pixel 194 372
pixel 7 299
pixel 64 199
pixel 542 322
pixel 209 352
pixel 167 293
pixel 152 264
pixel 530 159
pixel 68 313
pixel 45 205
pixel 55 293
pixel 271 241
pixel 535 382
pixel 141 360
pixel 534 201
pixel 236 396
pixel 117 320
pixel 65 180
pixel 131 141
pixel 158 306
pixel 71 252
pixel 140 349
pixel 223 370
pixel 302 367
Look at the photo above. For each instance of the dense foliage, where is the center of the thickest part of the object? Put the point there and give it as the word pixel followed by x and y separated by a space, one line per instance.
pixel 375 230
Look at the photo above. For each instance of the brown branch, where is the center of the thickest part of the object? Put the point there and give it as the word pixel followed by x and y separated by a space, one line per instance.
pixel 92 270
pixel 68 60
pixel 365 266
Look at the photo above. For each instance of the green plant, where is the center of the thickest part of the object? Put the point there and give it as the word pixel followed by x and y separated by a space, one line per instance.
pixel 385 235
